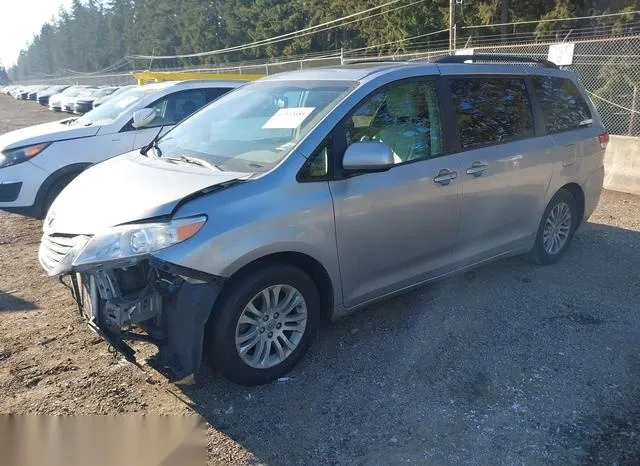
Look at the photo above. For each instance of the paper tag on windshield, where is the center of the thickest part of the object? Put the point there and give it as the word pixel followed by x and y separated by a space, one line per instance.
pixel 288 118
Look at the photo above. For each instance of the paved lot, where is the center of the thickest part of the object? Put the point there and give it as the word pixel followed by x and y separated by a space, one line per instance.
pixel 507 364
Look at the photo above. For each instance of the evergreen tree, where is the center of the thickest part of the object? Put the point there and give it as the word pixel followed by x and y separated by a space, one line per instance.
pixel 95 34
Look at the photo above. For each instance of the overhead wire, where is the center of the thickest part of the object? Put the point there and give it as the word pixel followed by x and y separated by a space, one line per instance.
pixel 288 36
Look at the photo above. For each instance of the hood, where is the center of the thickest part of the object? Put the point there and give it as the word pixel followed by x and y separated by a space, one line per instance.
pixel 47 132
pixel 68 100
pixel 55 98
pixel 125 189
pixel 47 93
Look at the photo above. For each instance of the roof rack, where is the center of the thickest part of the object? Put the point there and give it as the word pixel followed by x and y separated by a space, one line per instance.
pixel 495 58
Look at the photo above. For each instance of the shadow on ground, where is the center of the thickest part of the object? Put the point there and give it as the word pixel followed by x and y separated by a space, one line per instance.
pixel 10 302
pixel 508 363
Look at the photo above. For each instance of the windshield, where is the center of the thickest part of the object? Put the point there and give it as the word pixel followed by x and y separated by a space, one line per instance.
pixel 103 92
pixel 71 90
pixel 111 110
pixel 87 92
pixel 253 128
pixel 75 92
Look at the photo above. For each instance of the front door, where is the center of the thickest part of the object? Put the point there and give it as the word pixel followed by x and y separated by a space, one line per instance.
pixel 399 227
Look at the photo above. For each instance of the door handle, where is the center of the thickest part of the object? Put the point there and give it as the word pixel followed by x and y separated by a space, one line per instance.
pixel 445 176
pixel 477 169
pixel 568 145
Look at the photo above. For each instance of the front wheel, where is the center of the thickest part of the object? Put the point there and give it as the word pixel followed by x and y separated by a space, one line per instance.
pixel 556 229
pixel 263 324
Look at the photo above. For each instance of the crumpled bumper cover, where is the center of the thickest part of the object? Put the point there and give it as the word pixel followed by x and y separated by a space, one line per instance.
pixel 173 308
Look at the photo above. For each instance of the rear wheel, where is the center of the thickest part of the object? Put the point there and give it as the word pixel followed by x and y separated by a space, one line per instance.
pixel 556 229
pixel 263 324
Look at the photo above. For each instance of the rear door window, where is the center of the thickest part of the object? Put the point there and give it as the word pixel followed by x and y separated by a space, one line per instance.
pixel 491 110
pixel 563 106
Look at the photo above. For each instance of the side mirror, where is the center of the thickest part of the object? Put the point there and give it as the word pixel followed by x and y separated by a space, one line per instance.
pixel 143 117
pixel 367 156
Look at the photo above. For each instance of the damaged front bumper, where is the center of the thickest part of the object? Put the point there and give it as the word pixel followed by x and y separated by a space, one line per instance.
pixel 153 301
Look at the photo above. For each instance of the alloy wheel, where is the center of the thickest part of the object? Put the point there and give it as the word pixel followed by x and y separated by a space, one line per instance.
pixel 271 326
pixel 557 228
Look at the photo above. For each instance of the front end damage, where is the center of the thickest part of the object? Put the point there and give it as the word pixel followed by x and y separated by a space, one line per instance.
pixel 152 301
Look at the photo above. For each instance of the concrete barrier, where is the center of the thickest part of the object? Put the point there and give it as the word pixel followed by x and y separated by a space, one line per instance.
pixel 622 164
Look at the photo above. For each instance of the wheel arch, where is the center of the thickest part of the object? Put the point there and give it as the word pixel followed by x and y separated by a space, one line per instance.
pixel 578 195
pixel 306 263
pixel 50 182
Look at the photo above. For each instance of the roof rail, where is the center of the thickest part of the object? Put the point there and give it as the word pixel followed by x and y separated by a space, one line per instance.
pixel 373 60
pixel 495 58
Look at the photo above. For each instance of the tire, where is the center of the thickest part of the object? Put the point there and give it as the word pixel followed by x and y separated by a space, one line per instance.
pixel 54 191
pixel 546 255
pixel 224 327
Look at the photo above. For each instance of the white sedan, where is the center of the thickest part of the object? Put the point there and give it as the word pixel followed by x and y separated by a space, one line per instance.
pixel 37 162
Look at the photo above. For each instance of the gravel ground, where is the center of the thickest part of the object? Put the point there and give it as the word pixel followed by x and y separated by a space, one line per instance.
pixel 510 363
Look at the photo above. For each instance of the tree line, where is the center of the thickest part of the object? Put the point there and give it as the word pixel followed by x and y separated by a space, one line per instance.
pixel 95 35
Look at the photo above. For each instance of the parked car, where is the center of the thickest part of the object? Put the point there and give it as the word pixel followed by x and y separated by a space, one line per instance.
pixel 307 195
pixel 84 102
pixel 68 103
pixel 56 100
pixel 33 92
pixel 44 95
pixel 37 162
pixel 99 101
pixel 21 93
pixel 7 89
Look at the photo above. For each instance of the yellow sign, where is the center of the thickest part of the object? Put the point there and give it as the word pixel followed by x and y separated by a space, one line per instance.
pixel 145 76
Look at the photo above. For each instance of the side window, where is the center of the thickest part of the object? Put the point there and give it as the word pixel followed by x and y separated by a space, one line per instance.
pixel 563 106
pixel 215 92
pixel 404 116
pixel 175 107
pixel 316 168
pixel 491 110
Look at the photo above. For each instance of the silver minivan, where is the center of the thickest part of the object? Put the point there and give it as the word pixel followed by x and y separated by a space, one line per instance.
pixel 303 196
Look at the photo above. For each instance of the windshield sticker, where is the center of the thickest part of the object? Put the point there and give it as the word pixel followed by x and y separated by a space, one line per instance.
pixel 288 118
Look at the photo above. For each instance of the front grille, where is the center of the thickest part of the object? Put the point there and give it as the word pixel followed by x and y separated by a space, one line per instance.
pixel 54 248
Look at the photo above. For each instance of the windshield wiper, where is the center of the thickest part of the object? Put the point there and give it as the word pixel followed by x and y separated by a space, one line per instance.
pixel 153 144
pixel 195 161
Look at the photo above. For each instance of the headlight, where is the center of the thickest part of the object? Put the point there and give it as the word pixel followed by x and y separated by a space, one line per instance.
pixel 134 241
pixel 16 156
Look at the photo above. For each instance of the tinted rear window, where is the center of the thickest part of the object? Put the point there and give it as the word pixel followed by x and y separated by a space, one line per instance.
pixel 491 110
pixel 563 106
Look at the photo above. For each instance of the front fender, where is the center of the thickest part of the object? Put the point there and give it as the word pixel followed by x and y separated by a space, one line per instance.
pixel 258 218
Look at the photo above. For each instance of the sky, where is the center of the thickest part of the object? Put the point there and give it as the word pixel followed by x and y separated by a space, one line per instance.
pixel 20 20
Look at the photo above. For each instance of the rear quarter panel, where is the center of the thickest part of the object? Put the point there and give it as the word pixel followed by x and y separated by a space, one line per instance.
pixel 587 170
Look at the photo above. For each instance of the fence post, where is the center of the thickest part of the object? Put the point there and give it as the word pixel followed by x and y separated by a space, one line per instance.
pixel 455 36
pixel 632 118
